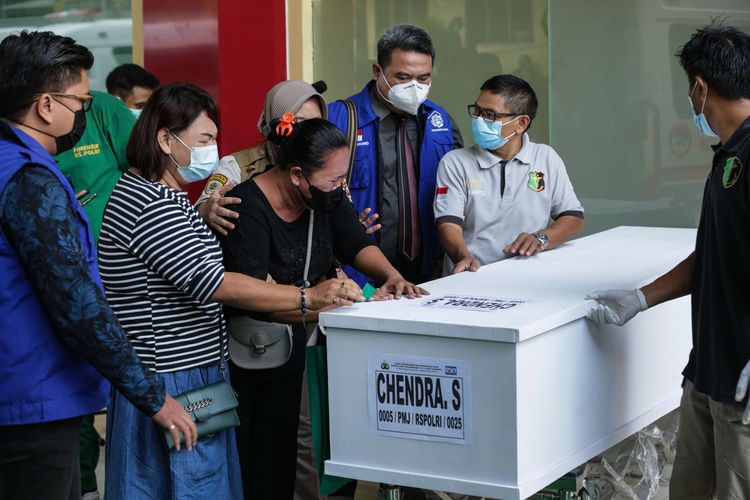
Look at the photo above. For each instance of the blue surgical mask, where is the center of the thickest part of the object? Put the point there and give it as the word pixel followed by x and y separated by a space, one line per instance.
pixel 489 135
pixel 203 161
pixel 700 118
pixel 136 112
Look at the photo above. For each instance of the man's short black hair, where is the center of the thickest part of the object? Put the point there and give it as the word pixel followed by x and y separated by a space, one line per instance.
pixel 32 63
pixel 519 96
pixel 122 79
pixel 721 56
pixel 407 37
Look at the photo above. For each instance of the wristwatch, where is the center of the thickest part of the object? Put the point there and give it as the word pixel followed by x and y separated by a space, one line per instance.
pixel 542 238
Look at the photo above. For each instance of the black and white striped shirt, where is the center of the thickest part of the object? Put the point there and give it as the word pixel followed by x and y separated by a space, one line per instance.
pixel 160 264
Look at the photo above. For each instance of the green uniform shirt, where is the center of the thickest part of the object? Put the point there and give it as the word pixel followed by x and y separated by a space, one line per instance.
pixel 98 160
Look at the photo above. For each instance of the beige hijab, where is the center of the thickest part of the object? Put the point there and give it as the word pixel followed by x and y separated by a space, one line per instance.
pixel 287 97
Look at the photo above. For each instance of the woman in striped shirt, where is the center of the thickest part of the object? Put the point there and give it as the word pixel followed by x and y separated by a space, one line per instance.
pixel 163 274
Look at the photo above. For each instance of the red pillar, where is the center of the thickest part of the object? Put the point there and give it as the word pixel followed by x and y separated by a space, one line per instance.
pixel 235 49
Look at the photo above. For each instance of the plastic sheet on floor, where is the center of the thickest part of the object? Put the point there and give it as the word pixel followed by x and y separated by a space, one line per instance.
pixel 638 471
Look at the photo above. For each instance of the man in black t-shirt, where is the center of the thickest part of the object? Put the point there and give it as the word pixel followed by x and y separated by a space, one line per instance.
pixel 713 444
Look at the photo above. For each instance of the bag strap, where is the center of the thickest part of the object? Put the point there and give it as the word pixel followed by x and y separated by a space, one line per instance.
pixel 351 135
pixel 309 247
pixel 222 367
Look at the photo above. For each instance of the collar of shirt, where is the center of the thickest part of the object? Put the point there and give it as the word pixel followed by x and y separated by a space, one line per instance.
pixel 737 140
pixel 377 105
pixel 15 134
pixel 363 104
pixel 488 160
pixel 271 153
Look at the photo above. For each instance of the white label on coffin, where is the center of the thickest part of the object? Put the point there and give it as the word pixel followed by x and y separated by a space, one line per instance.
pixel 419 398
pixel 476 304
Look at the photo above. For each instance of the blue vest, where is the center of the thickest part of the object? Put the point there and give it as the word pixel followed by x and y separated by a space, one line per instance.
pixel 436 141
pixel 41 377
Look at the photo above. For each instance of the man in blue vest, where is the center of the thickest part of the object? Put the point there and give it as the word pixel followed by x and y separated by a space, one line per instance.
pixel 58 336
pixel 400 138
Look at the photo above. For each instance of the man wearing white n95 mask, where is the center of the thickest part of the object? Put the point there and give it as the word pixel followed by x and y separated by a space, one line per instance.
pixel 713 444
pixel 399 137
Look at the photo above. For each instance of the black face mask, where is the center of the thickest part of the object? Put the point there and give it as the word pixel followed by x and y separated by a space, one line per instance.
pixel 324 201
pixel 67 141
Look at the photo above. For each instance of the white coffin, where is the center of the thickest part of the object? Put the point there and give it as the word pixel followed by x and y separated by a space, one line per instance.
pixel 549 389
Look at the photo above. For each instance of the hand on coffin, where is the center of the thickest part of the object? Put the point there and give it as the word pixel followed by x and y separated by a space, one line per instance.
pixel 334 292
pixel 468 263
pixel 741 392
pixel 395 287
pixel 524 245
pixel 616 307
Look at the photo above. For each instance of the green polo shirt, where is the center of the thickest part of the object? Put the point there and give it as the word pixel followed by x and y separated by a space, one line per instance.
pixel 98 160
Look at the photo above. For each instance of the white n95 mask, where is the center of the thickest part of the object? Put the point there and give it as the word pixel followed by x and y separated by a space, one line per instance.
pixel 406 97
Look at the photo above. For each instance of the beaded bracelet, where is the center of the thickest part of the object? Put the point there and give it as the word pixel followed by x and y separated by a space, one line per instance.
pixel 303 307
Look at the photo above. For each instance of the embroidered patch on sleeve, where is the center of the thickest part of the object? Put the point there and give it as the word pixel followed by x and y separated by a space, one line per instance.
pixel 216 181
pixel 732 171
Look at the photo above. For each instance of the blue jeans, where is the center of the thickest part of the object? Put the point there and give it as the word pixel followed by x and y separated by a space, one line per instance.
pixel 139 466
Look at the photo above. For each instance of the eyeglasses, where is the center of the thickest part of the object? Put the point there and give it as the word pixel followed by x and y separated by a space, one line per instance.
pixel 86 100
pixel 487 114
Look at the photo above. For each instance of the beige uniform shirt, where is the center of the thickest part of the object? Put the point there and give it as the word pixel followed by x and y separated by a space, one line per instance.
pixel 237 167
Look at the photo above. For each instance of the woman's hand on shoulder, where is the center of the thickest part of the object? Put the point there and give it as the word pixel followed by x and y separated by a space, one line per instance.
pixel 369 223
pixel 213 212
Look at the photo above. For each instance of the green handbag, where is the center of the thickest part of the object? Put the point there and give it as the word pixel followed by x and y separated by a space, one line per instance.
pixel 213 407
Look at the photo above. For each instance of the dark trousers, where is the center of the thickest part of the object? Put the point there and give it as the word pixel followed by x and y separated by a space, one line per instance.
pixel 269 402
pixel 40 461
pixel 89 454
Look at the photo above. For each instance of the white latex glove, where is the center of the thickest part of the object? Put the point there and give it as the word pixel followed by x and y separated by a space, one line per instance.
pixel 741 391
pixel 616 307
